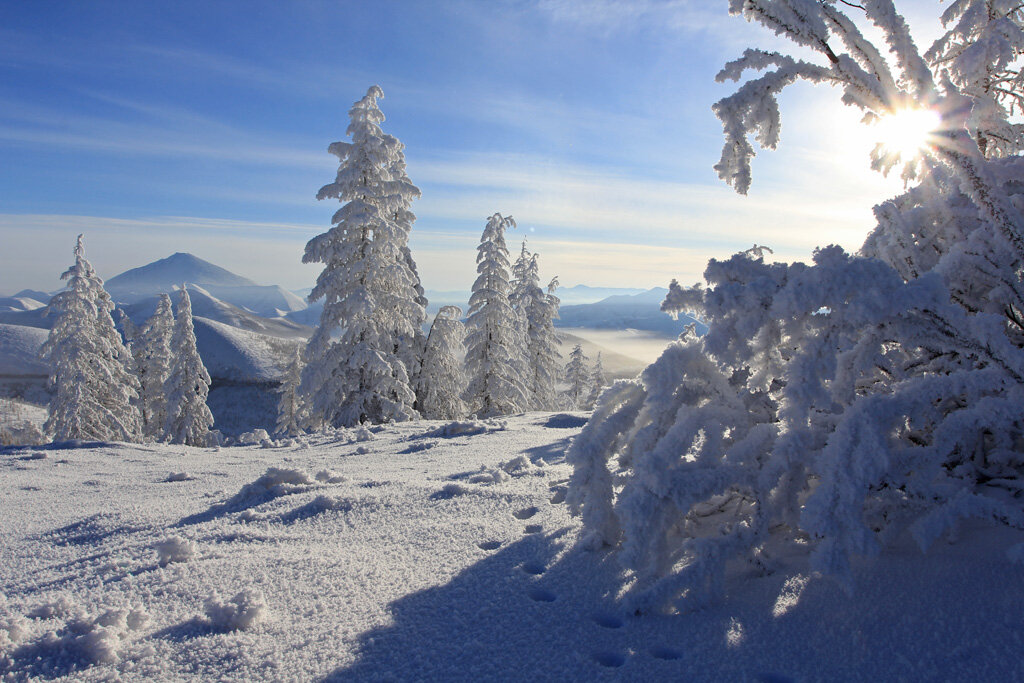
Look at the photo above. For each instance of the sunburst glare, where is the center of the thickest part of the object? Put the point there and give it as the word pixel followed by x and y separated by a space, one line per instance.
pixel 907 132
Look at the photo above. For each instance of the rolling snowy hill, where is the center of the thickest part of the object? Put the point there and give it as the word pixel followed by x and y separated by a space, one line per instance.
pixel 206 305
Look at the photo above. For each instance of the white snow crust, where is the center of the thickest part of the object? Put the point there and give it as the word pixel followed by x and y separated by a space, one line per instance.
pixel 314 562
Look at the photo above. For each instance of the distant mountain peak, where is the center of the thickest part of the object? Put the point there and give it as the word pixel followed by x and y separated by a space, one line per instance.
pixel 178 268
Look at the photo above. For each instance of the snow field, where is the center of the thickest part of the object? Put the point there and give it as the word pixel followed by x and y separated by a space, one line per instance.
pixel 316 562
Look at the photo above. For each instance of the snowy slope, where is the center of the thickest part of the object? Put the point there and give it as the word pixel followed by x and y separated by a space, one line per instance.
pixel 628 311
pixel 38 295
pixel 19 351
pixel 268 301
pixel 417 556
pixel 9 304
pixel 239 355
pixel 207 305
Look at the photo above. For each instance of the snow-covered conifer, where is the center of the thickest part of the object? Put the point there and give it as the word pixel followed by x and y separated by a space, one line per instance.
pixel 841 402
pixel 152 352
pixel 577 376
pixel 372 305
pixel 188 383
pixel 537 311
pixel 494 365
pixel 94 391
pixel 443 379
pixel 545 359
pixel 290 405
pixel 598 382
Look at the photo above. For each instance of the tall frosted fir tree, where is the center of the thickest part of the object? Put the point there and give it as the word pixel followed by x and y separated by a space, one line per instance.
pixel 598 381
pixel 152 351
pixel 289 406
pixel 537 312
pixel 577 376
pixel 359 356
pixel 493 362
pixel 94 390
pixel 443 380
pixel 188 383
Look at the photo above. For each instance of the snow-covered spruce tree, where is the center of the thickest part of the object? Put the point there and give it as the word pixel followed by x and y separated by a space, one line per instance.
pixel 152 351
pixel 290 405
pixel 372 307
pixel 840 402
pixel 188 418
pixel 980 52
pixel 443 379
pixel 493 363
pixel 546 360
pixel 94 390
pixel 537 312
pixel 524 277
pixel 598 381
pixel 577 376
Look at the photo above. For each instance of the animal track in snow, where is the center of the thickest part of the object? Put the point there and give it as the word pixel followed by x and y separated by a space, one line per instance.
pixel 607 620
pixel 533 529
pixel 541 595
pixel 525 513
pixel 662 652
pixel 559 496
pixel 610 659
pixel 489 545
pixel 535 568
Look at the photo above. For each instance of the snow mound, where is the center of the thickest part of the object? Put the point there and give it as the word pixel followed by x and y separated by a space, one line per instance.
pixel 516 467
pixel 55 609
pixel 489 476
pixel 276 482
pixel 175 549
pixel 330 477
pixel 13 630
pixel 465 428
pixel 100 639
pixel 245 611
pixel 97 640
pixel 254 438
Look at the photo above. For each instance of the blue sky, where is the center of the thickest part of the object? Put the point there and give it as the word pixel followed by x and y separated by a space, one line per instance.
pixel 203 127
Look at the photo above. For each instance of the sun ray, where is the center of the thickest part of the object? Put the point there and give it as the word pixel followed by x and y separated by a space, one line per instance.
pixel 905 133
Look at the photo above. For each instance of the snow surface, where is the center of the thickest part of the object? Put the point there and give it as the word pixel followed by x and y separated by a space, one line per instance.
pixel 384 554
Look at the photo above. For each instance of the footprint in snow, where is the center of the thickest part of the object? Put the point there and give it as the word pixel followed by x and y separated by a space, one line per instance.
pixel 534 568
pixel 525 513
pixel 541 595
pixel 610 659
pixel 559 495
pixel 533 529
pixel 607 620
pixel 489 545
pixel 666 653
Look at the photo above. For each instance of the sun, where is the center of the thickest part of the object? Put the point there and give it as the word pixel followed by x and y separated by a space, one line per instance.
pixel 907 132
